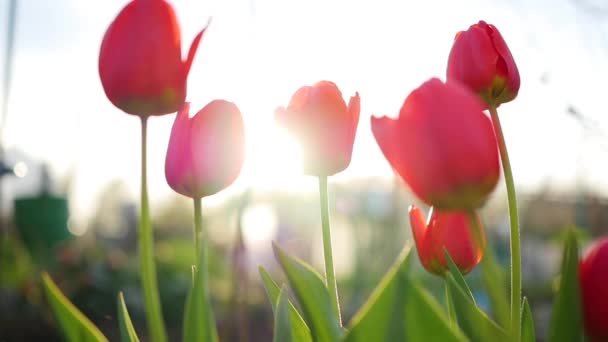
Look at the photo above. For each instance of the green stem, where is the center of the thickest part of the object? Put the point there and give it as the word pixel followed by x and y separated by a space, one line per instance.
pixel 515 238
pixel 329 261
pixel 154 315
pixel 449 305
pixel 200 242
pixel 198 230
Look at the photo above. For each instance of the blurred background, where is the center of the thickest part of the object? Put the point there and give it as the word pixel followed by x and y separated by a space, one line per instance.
pixel 70 170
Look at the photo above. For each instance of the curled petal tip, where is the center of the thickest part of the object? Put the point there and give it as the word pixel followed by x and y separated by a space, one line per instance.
pixel 194 47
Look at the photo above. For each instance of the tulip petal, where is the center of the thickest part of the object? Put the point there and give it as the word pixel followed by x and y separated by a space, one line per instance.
pixel 419 230
pixel 193 48
pixel 354 110
pixel 217 146
pixel 383 129
pixel 506 62
pixel 178 163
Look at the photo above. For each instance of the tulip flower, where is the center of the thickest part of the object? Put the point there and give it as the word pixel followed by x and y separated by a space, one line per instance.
pixel 449 230
pixel 140 62
pixel 481 60
pixel 318 116
pixel 593 276
pixel 442 145
pixel 205 152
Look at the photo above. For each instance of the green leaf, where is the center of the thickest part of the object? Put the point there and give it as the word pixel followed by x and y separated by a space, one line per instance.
pixel 495 283
pixel 381 318
pixel 425 319
pixel 527 323
pixel 199 324
pixel 75 326
pixel 312 294
pixel 283 331
pixel 300 330
pixel 271 287
pixel 127 332
pixel 458 277
pixel 566 324
pixel 471 319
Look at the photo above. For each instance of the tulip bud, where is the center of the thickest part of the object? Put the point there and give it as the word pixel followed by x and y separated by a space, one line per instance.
pixel 593 277
pixel 140 61
pixel 449 230
pixel 481 60
pixel 319 118
pixel 206 151
pixel 442 145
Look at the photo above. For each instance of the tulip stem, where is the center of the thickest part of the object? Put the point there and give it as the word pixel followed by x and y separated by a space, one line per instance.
pixel 449 304
pixel 154 315
pixel 200 243
pixel 515 235
pixel 198 229
pixel 332 287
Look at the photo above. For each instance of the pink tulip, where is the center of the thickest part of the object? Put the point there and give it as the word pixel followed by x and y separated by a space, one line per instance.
pixel 206 151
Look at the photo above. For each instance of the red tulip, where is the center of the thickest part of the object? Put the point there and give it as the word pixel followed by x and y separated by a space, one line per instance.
pixel 442 145
pixel 140 62
pixel 206 151
pixel 451 230
pixel 481 60
pixel 326 127
pixel 593 276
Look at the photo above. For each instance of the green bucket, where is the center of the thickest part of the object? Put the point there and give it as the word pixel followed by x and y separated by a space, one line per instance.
pixel 42 221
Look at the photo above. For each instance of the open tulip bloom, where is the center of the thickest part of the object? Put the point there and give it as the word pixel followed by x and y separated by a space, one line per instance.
pixel 444 147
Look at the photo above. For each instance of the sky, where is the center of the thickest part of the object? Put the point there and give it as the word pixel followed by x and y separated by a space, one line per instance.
pixel 256 53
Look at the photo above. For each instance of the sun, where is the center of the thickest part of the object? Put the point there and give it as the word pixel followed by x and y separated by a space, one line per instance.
pixel 273 157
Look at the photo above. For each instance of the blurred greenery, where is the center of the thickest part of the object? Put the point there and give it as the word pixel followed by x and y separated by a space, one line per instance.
pixel 370 228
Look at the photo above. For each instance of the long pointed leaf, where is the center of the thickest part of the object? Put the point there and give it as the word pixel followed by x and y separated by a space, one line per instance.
pixel 127 332
pixel 381 317
pixel 458 277
pixel 312 294
pixel 471 319
pixel 527 323
pixel 75 326
pixel 199 324
pixel 424 319
pixel 283 331
pixel 300 330
pixel 566 324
